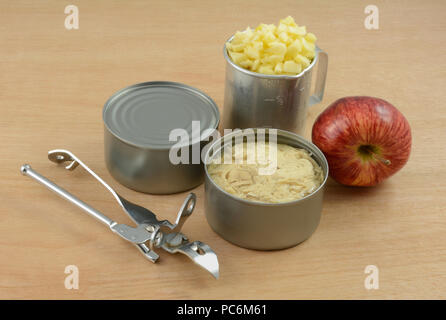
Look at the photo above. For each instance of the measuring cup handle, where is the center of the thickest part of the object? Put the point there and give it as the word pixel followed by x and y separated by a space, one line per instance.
pixel 322 65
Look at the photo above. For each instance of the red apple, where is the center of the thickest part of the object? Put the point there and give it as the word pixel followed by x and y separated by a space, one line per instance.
pixel 364 139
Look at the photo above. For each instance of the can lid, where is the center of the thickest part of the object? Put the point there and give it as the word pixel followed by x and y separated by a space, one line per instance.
pixel 145 114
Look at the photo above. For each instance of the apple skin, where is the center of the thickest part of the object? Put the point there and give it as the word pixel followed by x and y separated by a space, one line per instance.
pixel 364 139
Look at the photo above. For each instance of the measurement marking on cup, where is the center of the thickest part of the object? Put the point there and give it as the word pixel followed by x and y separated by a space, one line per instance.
pixel 279 99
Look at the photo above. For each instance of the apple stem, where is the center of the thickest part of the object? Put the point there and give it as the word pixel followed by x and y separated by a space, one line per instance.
pixel 370 151
pixel 383 160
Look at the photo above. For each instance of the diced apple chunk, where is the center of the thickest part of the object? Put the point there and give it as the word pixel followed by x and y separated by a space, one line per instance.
pixel 291 67
pixel 266 69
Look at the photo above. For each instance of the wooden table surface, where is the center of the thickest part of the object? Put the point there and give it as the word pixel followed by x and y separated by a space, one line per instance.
pixel 53 85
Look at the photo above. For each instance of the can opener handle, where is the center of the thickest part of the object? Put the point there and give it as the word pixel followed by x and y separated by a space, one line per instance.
pixel 149 229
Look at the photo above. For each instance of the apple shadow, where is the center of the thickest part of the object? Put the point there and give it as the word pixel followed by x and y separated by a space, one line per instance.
pixel 334 190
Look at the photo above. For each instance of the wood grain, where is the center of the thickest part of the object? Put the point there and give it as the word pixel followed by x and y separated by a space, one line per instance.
pixel 54 82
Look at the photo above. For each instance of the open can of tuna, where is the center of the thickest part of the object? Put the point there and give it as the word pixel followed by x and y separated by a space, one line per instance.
pixel 260 225
pixel 154 133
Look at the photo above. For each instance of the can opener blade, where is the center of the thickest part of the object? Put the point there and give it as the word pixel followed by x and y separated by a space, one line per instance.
pixel 149 233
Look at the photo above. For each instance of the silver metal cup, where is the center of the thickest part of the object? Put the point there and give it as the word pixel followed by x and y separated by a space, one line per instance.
pixel 255 100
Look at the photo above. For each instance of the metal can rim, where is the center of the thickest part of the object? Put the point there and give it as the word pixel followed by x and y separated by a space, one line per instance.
pixel 212 104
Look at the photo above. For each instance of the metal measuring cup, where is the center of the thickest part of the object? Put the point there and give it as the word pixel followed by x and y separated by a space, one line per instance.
pixel 255 100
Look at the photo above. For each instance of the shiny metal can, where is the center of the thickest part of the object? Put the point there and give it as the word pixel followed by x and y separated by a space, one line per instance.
pixel 275 101
pixel 138 122
pixel 258 225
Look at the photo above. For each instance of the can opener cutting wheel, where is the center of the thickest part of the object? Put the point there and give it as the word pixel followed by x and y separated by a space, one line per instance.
pixel 150 233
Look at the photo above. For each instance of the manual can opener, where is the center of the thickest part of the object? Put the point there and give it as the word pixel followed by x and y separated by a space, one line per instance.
pixel 150 233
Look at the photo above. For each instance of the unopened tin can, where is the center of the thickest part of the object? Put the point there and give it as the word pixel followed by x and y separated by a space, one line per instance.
pixel 138 123
pixel 259 225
